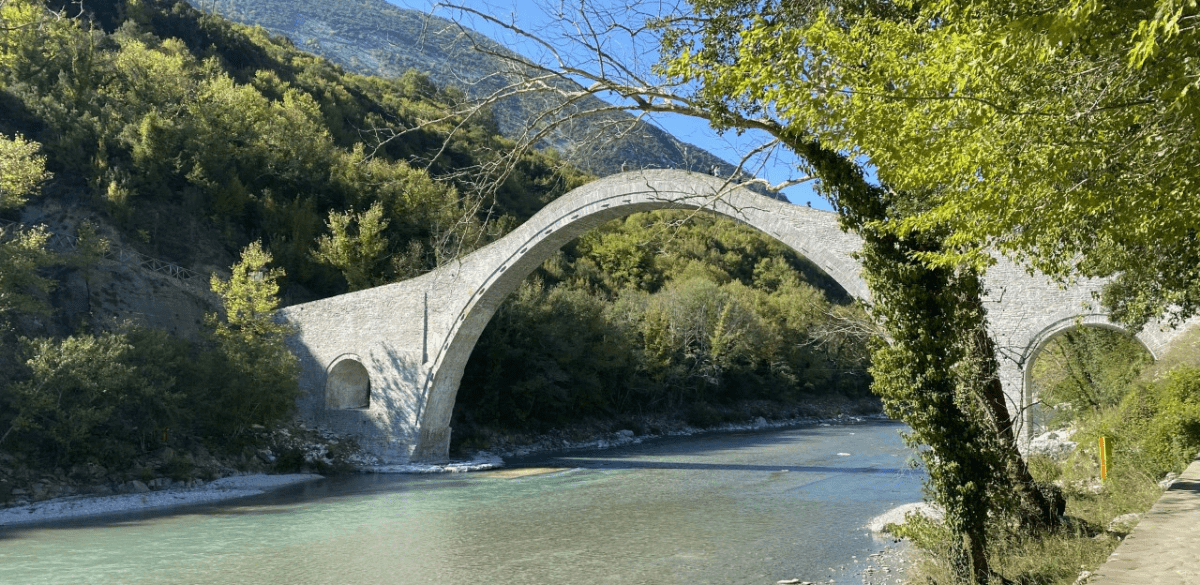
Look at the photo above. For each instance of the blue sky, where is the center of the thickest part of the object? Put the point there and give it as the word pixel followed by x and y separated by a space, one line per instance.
pixel 729 146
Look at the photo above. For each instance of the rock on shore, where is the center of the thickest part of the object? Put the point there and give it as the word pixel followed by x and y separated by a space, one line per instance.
pixel 899 514
pixel 1055 444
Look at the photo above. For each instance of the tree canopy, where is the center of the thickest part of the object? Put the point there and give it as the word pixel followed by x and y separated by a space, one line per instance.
pixel 1060 133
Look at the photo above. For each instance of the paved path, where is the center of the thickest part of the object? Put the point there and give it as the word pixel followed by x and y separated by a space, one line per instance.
pixel 1164 548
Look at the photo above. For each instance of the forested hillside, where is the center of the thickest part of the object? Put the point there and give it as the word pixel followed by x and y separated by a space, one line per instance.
pixel 160 105
pixel 160 128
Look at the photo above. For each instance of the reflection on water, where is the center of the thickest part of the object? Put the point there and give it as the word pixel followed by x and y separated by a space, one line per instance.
pixel 744 508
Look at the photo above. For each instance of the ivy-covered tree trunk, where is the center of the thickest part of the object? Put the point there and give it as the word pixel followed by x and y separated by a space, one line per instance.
pixel 1038 507
pixel 916 374
pixel 937 372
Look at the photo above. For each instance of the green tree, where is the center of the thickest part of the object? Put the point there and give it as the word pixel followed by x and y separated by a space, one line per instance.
pixel 547 357
pixel 253 375
pixel 22 170
pixel 1061 133
pixel 354 245
pixel 625 257
pixel 104 397
pixel 22 252
pixel 698 331
pixel 74 390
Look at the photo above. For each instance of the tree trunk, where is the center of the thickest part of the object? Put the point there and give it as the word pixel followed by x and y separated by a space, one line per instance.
pixel 981 569
pixel 1038 510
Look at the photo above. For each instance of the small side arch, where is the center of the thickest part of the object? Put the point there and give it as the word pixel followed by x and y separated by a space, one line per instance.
pixel 1045 336
pixel 347 384
pixel 1050 333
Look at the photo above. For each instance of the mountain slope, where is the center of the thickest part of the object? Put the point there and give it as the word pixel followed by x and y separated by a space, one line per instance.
pixel 376 38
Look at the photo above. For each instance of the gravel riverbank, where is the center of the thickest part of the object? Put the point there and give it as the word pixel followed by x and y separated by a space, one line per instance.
pixel 484 443
pixel 225 488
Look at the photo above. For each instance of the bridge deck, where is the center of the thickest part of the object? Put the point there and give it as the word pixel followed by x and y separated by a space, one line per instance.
pixel 1164 548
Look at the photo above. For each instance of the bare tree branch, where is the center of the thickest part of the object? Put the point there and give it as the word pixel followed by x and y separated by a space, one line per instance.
pixel 582 67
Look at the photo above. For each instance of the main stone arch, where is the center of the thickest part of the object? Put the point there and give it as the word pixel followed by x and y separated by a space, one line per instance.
pixel 502 266
pixel 413 338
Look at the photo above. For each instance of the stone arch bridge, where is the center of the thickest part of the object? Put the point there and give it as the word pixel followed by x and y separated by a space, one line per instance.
pixel 384 364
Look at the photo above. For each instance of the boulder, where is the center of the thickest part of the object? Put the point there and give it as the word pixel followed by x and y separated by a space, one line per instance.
pixel 1123 523
pixel 166 454
pixel 133 487
pixel 899 515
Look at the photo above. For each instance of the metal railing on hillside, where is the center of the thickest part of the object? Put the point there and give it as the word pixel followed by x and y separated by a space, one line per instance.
pixel 66 243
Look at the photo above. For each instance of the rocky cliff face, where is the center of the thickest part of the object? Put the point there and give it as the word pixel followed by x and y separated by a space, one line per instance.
pixel 127 286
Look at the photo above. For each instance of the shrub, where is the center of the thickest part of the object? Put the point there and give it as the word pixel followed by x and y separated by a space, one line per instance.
pixel 100 397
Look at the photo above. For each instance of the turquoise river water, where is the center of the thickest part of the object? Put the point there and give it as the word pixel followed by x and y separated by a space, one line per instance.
pixel 747 507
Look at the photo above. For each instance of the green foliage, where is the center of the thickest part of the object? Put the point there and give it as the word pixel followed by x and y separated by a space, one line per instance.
pixel 254 375
pixel 1184 351
pixel 546 358
pixel 90 246
pixel 1156 426
pixel 166 107
pixel 1152 423
pixel 646 250
pixel 22 170
pixel 109 397
pixel 250 296
pixel 1172 434
pixel 101 398
pixel 355 253
pixel 1053 558
pixel 928 312
pixel 1061 133
pixel 22 253
pixel 1153 429
pixel 657 312
pixel 696 331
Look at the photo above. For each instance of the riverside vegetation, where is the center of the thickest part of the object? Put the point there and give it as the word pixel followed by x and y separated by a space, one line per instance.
pixel 1091 383
pixel 207 144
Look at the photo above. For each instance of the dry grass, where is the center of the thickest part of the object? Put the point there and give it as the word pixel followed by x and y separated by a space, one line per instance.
pixel 1056 558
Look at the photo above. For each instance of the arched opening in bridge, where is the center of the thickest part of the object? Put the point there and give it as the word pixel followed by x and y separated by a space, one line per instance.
pixel 657 311
pixel 1079 371
pixel 347 384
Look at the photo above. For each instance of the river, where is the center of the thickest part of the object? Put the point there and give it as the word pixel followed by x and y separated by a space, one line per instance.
pixel 728 508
